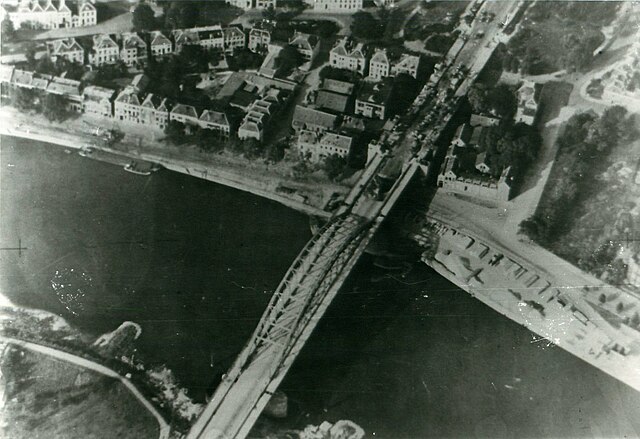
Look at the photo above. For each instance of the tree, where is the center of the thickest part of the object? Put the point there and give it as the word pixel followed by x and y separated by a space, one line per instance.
pixel 175 132
pixel 251 147
pixel 288 59
pixel 30 55
pixel 269 13
pixel 25 99
pixel 8 31
pixel 143 18
pixel 366 26
pixel 334 166
pixel 55 107
pixel 274 151
pixel 208 140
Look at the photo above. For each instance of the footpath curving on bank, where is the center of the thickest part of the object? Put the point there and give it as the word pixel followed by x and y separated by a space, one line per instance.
pixel 199 170
pixel 96 367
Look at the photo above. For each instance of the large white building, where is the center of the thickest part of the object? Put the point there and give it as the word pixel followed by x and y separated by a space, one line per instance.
pixel 44 14
pixel 347 6
pixel 348 55
pixel 250 4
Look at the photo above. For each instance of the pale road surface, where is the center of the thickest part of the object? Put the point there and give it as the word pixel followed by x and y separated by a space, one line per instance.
pixel 88 364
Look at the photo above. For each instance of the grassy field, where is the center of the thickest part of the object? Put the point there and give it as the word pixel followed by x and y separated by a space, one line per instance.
pixel 47 398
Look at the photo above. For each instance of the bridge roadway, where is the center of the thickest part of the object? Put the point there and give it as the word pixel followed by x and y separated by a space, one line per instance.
pixel 297 305
pixel 314 279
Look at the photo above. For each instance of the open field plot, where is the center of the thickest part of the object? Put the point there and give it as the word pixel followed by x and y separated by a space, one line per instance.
pixel 47 398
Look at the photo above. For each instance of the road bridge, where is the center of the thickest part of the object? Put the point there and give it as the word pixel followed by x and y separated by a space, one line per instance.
pixel 316 276
pixel 297 305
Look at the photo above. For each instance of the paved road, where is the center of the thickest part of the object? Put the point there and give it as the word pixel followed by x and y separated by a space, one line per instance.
pixel 96 367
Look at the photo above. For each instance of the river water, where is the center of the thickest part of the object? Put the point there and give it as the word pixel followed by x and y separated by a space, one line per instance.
pixel 194 264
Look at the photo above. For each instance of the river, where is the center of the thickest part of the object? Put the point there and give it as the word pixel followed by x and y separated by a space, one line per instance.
pixel 194 264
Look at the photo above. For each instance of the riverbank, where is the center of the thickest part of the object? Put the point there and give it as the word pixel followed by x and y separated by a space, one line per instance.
pixel 567 318
pixel 308 198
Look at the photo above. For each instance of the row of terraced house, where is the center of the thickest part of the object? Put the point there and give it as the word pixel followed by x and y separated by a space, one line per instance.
pixel 131 105
pixel 45 15
pixel 134 48
pixel 357 57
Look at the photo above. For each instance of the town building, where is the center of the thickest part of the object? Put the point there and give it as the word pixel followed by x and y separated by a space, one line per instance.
pixel 44 15
pixel 160 45
pixel 407 64
pixel 256 119
pixel 185 114
pixel 65 48
pixel 208 37
pixel 105 50
pixel 372 100
pixel 335 96
pixel 316 147
pixel 69 88
pixel 485 121
pixel 216 121
pixel 382 65
pixel 379 65
pixel 310 119
pixel 462 136
pixel 98 101
pixel 527 103
pixel 260 37
pixel 250 4
pixel 127 106
pixel 461 175
pixel 154 111
pixel 134 49
pixel 234 38
pixel 348 55
pixel 307 45
pixel 338 6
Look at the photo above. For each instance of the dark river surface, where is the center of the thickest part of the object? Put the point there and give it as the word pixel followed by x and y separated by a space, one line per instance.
pixel 194 263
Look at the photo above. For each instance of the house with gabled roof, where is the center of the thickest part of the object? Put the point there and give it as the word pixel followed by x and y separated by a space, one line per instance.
pixel 256 119
pixel 316 147
pixel 407 64
pixel 66 48
pixel 307 45
pixel 260 37
pixel 126 107
pixel 305 118
pixel 22 78
pixel 379 65
pixel 105 50
pixel 481 163
pixel 98 101
pixel 349 55
pixel 372 100
pixel 383 65
pixel 216 121
pixel 233 38
pixel 186 114
pixel 159 44
pixel 337 6
pixel 527 103
pixel 208 37
pixel 43 14
pixel 70 89
pixel 134 49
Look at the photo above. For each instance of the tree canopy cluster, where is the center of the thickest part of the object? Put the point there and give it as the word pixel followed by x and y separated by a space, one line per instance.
pixel 499 100
pixel 507 145
pixel 584 147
